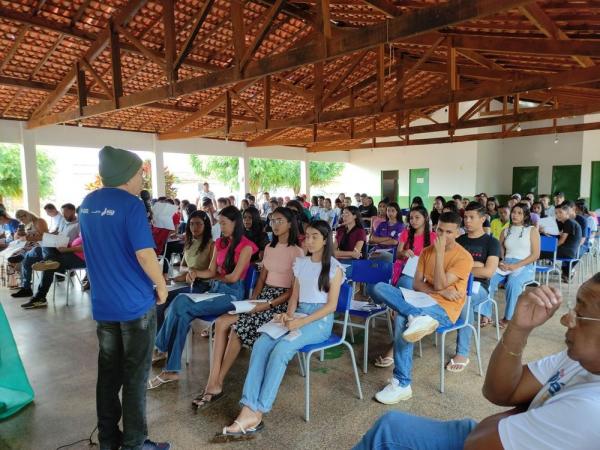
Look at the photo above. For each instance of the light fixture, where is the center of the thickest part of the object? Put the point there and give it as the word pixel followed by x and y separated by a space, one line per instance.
pixel 556 139
pixel 519 127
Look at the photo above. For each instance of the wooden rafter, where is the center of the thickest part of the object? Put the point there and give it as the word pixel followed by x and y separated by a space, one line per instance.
pixel 189 42
pixel 14 47
pixel 384 6
pixel 354 62
pixel 236 16
pixel 262 32
pixel 408 25
pixel 545 24
pixel 148 53
pixel 85 64
pixel 169 39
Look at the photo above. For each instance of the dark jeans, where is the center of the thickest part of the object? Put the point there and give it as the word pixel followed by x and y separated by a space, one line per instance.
pixel 67 261
pixel 124 362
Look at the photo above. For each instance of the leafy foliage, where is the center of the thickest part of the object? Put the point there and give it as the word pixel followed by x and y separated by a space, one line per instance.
pixel 10 172
pixel 265 174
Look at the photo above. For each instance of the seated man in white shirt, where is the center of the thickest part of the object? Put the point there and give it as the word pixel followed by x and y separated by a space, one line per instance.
pixel 555 400
pixel 56 218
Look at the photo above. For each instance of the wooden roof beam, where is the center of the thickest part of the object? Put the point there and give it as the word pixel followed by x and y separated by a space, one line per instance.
pixel 262 32
pixel 418 22
pixel 383 6
pixel 544 23
pixel 14 47
pixel 189 42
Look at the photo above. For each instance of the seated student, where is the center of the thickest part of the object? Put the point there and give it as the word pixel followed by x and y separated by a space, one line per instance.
pixel 592 222
pixel 265 207
pixel 339 204
pixel 347 202
pixel 66 258
pixel 387 234
pixel 56 218
pixel 244 205
pixel 350 236
pixel 198 250
pixel 232 332
pixel 411 243
pixel 555 400
pixel 9 227
pixel 380 217
pixel 458 201
pixel 327 213
pixel 315 294
pixel 254 230
pixel 227 270
pixel 548 208
pixel 569 239
pixel 574 213
pixel 314 209
pixel 437 210
pixel 367 210
pixel 558 198
pixel 492 206
pixel 519 250
pixel 485 250
pixel 301 218
pixel 501 222
pixel 538 208
pixel 442 272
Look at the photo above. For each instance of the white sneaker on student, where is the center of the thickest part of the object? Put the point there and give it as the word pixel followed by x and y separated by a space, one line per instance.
pixel 393 393
pixel 419 327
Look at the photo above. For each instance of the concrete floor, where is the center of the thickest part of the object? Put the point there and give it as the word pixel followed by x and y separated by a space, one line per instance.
pixel 58 346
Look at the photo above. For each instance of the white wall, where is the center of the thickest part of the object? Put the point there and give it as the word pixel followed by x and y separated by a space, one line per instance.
pixel 589 153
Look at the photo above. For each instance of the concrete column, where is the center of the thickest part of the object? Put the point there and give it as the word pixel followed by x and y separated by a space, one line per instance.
pixel 244 174
pixel 158 170
pixel 29 175
pixel 305 177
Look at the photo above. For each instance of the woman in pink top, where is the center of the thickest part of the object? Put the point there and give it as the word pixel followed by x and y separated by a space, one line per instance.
pixel 232 332
pixel 226 272
pixel 411 243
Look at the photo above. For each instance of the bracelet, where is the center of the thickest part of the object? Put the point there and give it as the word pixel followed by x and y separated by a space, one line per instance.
pixel 516 355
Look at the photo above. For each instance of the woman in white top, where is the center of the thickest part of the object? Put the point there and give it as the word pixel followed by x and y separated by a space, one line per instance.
pixel 314 295
pixel 327 213
pixel 519 250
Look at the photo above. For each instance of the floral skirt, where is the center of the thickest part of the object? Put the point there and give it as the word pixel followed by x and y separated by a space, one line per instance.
pixel 247 324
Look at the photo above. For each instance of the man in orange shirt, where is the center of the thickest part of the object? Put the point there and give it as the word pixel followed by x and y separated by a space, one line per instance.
pixel 442 273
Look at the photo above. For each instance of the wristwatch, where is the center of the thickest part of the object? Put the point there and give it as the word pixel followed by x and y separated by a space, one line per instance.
pixel 270 304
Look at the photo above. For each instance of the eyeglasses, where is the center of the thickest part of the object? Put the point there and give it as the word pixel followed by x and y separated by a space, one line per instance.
pixel 571 318
pixel 273 222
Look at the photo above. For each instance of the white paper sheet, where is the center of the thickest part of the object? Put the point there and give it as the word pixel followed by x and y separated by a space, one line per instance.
pixel 54 240
pixel 244 306
pixel 475 287
pixel 549 226
pixel 411 266
pixel 417 299
pixel 358 305
pixel 202 297
pixel 162 215
pixel 12 249
pixel 179 285
pixel 275 329
pixel 507 272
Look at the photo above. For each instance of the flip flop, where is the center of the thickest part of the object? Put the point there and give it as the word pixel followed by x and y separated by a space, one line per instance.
pixel 462 366
pixel 156 382
pixel 201 402
pixel 232 436
pixel 384 361
pixel 485 322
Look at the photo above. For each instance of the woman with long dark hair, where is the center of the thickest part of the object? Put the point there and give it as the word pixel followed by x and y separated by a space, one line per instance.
pixel 318 278
pixel 232 332
pixel 492 206
pixel 350 236
pixel 412 241
pixel 226 272
pixel 386 235
pixel 519 250
pixel 437 210
pixel 254 229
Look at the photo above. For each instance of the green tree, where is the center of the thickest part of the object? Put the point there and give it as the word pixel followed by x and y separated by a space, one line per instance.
pixel 10 172
pixel 265 174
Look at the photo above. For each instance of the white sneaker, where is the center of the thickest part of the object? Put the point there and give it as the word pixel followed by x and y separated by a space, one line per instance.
pixel 393 393
pixel 419 327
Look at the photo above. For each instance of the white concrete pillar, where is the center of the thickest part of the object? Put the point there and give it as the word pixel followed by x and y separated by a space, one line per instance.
pixel 158 170
pixel 244 174
pixel 305 177
pixel 29 175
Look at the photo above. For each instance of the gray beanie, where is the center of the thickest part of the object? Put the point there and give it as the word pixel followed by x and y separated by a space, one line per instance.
pixel 117 166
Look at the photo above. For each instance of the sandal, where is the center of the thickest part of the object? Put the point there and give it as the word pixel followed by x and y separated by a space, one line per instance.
pixel 232 436
pixel 485 321
pixel 461 365
pixel 205 399
pixel 157 381
pixel 384 361
pixel 503 323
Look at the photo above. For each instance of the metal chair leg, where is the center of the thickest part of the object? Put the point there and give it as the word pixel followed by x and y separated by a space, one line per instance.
pixel 477 349
pixel 442 361
pixel 188 346
pixel 307 387
pixel 358 387
pixel 300 363
pixel 366 346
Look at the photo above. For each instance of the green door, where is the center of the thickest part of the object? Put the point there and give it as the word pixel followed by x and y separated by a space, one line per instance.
pixel 525 180
pixel 419 186
pixel 567 179
pixel 595 186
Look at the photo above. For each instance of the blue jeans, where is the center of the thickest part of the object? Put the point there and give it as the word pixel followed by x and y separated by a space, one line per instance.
pixel 270 358
pixel 397 430
pixel 404 281
pixel 403 350
pixel 173 333
pixel 463 340
pixel 198 288
pixel 513 283
pixel 29 259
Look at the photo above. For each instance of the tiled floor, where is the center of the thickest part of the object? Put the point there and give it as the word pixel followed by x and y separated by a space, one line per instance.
pixel 59 348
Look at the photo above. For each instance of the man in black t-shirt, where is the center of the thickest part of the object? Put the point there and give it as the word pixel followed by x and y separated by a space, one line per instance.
pixel 569 239
pixel 367 211
pixel 485 250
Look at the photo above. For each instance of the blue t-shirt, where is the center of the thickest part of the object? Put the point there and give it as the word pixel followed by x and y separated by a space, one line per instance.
pixel 10 229
pixel 114 226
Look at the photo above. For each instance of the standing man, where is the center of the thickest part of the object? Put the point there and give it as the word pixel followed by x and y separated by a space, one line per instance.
pixel 205 192
pixel 122 267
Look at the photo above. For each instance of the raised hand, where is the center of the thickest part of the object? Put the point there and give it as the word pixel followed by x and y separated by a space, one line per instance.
pixel 536 306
